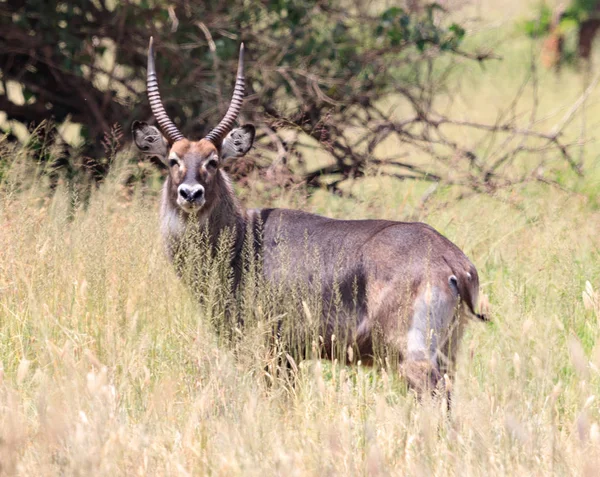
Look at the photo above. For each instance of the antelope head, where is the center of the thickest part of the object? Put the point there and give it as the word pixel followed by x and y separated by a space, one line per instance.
pixel 194 166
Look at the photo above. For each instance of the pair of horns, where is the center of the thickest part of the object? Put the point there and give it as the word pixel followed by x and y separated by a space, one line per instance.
pixel 168 127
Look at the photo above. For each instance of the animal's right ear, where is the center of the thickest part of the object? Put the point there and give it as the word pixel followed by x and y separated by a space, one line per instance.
pixel 149 140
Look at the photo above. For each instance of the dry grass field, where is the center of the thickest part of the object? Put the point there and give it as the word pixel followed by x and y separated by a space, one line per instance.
pixel 108 366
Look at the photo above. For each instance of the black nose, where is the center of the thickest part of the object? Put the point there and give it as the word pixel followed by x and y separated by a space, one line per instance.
pixel 191 193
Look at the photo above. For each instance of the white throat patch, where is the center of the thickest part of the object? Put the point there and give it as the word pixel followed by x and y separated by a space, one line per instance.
pixel 172 226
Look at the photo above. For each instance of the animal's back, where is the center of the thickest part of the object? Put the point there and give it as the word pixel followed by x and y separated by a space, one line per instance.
pixel 382 248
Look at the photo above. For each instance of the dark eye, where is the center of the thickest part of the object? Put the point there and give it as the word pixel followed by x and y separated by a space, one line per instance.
pixel 211 164
pixel 173 162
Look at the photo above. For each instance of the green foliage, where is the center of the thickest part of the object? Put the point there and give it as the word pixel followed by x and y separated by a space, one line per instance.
pixel 582 9
pixel 570 18
pixel 398 27
pixel 540 25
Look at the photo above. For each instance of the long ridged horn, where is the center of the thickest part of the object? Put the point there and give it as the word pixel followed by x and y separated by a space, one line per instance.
pixel 158 110
pixel 226 124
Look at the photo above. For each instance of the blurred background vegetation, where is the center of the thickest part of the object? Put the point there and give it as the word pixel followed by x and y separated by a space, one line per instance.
pixel 330 84
pixel 315 67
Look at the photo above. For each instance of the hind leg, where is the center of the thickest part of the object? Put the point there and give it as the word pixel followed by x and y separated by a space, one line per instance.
pixel 448 350
pixel 432 318
pixel 421 375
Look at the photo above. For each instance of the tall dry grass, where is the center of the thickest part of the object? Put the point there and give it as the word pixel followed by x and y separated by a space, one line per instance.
pixel 111 367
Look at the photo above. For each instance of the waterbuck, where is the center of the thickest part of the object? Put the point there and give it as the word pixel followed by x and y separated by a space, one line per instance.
pixel 402 282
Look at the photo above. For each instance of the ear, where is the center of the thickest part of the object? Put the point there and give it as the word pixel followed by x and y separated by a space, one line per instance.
pixel 238 142
pixel 149 140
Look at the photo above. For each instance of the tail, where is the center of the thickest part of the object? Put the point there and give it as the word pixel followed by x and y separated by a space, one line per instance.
pixel 467 284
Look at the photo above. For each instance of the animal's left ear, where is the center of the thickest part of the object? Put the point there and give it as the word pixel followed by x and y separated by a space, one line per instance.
pixel 238 142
